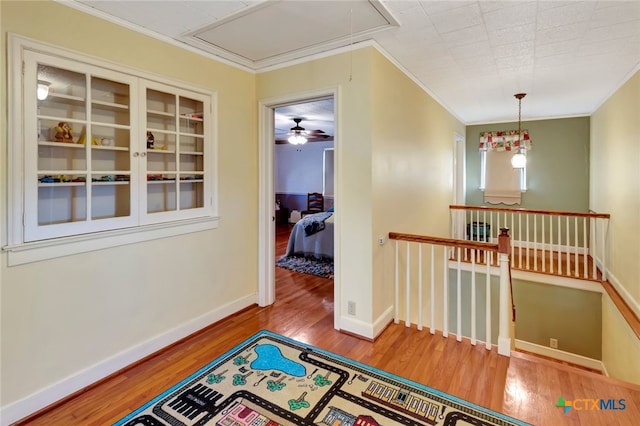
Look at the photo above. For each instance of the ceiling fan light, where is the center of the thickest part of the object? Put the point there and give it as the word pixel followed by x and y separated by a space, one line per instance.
pixel 519 161
pixel 297 139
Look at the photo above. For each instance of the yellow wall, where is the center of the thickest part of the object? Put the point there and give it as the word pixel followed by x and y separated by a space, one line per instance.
pixel 620 346
pixel 353 159
pixel 64 315
pixel 412 169
pixel 395 162
pixel 614 183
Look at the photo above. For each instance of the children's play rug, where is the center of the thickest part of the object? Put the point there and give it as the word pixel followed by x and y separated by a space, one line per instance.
pixel 271 380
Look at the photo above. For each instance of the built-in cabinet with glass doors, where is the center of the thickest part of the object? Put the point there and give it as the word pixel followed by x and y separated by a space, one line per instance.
pixel 107 150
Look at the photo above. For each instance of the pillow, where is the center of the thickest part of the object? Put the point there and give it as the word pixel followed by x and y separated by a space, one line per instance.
pixel 330 210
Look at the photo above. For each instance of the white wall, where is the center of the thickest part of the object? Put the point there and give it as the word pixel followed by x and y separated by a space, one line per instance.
pixel 298 169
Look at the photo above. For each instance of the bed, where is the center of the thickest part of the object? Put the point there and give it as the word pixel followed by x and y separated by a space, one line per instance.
pixel 312 236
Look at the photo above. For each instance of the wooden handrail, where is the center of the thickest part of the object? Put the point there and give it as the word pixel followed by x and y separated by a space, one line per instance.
pixel 532 211
pixel 465 244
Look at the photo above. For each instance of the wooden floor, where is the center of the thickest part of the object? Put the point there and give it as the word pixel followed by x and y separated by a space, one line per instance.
pixel 522 386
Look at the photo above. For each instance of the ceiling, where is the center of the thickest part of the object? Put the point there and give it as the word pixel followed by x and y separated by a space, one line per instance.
pixel 316 115
pixel 471 56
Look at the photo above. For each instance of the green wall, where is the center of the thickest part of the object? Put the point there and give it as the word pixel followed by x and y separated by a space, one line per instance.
pixel 543 311
pixel 557 165
pixel 572 316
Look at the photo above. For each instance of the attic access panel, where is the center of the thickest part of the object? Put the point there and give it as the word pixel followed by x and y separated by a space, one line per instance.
pixel 276 31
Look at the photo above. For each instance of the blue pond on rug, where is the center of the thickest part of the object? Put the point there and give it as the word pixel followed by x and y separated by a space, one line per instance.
pixel 307 265
pixel 272 380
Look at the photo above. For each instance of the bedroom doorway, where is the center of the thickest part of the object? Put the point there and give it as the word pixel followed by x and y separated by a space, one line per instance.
pixel 282 193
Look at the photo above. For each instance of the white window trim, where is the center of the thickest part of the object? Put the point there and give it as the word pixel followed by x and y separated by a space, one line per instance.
pixel 483 173
pixel 20 252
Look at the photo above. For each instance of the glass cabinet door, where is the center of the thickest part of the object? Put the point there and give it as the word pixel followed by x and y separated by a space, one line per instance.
pixel 175 139
pixel 82 169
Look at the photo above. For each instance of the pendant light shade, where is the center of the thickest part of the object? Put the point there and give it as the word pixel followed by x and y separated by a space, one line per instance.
pixel 519 161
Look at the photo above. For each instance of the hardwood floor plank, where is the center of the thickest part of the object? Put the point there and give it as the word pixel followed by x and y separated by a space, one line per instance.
pixel 523 386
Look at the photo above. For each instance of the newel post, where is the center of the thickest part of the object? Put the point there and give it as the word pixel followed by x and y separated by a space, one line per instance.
pixel 504 336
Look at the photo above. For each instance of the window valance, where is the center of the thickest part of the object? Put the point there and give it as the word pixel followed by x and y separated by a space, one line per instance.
pixel 508 140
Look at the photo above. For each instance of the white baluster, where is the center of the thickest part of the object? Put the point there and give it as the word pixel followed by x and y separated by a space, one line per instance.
pixel 459 298
pixel 468 226
pixel 396 318
pixel 584 248
pixel 559 246
pixel 576 256
pixel 473 299
pixel 568 249
pixel 544 266
pixel 535 242
pixel 445 296
pixel 520 240
pixel 488 305
pixel 513 242
pixel 407 309
pixel 594 245
pixel 551 244
pixel 420 286
pixel 527 251
pixel 433 296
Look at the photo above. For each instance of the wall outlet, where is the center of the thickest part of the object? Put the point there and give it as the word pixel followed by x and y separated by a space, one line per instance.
pixel 381 240
pixel 351 308
pixel 553 343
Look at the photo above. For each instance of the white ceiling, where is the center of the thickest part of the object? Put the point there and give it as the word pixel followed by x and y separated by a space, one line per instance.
pixel 471 56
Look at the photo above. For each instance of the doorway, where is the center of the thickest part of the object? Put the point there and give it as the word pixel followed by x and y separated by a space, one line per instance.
pixel 267 189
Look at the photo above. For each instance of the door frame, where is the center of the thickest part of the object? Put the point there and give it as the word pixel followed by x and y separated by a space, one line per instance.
pixel 266 193
pixel 459 184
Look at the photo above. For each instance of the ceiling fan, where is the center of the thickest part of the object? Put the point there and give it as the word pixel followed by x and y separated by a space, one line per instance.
pixel 298 135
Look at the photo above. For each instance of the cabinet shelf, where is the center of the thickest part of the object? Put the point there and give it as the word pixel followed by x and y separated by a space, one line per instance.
pixel 115 126
pixel 160 151
pixel 60 118
pixel 98 183
pixel 160 113
pixel 61 144
pixel 191 153
pixel 111 105
pixel 109 148
pixel 62 97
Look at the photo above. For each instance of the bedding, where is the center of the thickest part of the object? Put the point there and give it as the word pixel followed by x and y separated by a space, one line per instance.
pixel 312 237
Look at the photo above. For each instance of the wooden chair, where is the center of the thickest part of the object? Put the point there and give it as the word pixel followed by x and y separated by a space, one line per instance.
pixel 315 203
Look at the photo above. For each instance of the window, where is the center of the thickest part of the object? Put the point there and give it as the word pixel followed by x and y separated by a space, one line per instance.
pixel 105 153
pixel 522 175
pixel 499 181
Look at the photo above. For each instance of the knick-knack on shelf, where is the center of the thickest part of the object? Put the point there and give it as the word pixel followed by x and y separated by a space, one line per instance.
pixel 63 132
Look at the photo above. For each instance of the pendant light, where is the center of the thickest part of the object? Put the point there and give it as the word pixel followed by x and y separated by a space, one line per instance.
pixel 519 160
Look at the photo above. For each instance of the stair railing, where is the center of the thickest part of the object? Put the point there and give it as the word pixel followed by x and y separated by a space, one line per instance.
pixel 439 259
pixel 569 244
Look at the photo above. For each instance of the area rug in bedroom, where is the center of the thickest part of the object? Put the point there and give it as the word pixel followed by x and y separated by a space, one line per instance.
pixel 271 380
pixel 307 265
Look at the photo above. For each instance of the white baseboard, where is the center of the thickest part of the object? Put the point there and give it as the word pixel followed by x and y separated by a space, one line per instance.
pixel 56 391
pixel 561 355
pixel 383 321
pixel 357 327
